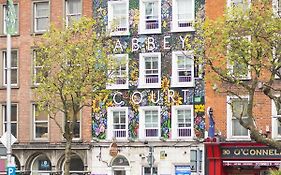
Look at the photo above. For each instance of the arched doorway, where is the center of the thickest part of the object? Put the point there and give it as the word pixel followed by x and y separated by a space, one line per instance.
pixel 41 165
pixel 120 166
pixel 76 165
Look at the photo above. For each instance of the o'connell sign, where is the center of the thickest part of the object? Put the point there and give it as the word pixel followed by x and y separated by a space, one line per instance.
pixel 250 152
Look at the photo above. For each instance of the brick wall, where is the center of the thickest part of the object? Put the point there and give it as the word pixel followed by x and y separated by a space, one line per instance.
pixel 23 94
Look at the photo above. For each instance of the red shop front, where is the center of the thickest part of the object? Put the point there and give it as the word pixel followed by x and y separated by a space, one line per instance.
pixel 240 158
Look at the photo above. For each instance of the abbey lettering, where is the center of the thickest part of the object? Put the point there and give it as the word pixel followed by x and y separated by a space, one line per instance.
pixel 150 44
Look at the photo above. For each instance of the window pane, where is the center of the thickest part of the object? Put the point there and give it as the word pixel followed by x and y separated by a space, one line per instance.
pixel 14 74
pixel 76 130
pixel 14 113
pixel 41 130
pixel 42 23
pixel 42 9
pixel 238 129
pixel 74 6
pixel 14 60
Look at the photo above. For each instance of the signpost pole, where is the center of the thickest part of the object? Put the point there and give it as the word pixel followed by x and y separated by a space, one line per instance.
pixel 8 105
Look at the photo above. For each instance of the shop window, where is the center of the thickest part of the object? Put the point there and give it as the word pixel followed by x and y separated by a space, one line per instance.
pixel 150 70
pixel 149 122
pixel 40 16
pixel 119 76
pixel 150 16
pixel 3 29
pixel 14 68
pixel 182 69
pixel 236 108
pixel 14 118
pixel 196 158
pixel 73 11
pixel 118 17
pixel 117 123
pixel 182 121
pixel 183 15
pixel 41 165
pixel 147 171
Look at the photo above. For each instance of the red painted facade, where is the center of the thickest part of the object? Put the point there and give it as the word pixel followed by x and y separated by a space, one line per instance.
pixel 245 158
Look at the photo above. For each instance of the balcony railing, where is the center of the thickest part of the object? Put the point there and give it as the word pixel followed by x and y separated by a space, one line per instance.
pixel 151 132
pixel 151 24
pixel 184 132
pixel 119 133
pixel 151 79
pixel 120 81
pixel 185 79
pixel 184 23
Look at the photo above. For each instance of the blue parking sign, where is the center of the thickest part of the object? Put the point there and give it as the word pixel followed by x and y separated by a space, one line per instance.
pixel 11 170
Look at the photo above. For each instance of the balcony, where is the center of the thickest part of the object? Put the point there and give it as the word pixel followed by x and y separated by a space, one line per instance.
pixel 151 132
pixel 184 132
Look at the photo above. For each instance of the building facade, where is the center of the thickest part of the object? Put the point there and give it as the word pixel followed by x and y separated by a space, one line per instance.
pixel 233 151
pixel 157 102
pixel 40 146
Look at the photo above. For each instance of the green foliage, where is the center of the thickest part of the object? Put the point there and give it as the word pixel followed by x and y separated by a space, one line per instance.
pixel 275 172
pixel 240 50
pixel 74 67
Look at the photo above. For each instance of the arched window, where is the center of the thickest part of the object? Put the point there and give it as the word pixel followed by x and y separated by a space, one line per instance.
pixel 41 165
pixel 120 166
pixel 76 165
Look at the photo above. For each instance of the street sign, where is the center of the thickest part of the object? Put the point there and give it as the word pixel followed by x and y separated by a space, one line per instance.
pixel 183 170
pixel 11 170
pixel 3 139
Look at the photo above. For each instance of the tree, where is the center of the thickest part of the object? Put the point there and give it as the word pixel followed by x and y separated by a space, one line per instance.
pixel 241 52
pixel 74 67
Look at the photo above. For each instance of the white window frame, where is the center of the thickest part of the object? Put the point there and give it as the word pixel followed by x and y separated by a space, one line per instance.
pixel 142 127
pixel 4 106
pixel 38 121
pixel 35 17
pixel 110 130
pixel 142 23
pixel 142 74
pixel 175 121
pixel 125 85
pixel 175 26
pixel 69 15
pixel 4 53
pixel 175 78
pixel 275 122
pixel 111 16
pixel 200 159
pixel 17 19
pixel 230 119
pixel 230 66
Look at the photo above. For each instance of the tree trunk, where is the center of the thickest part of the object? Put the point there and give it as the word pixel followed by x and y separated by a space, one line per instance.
pixel 67 157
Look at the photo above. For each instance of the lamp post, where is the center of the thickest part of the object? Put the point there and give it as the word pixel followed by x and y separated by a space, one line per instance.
pixel 10 29
pixel 150 159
